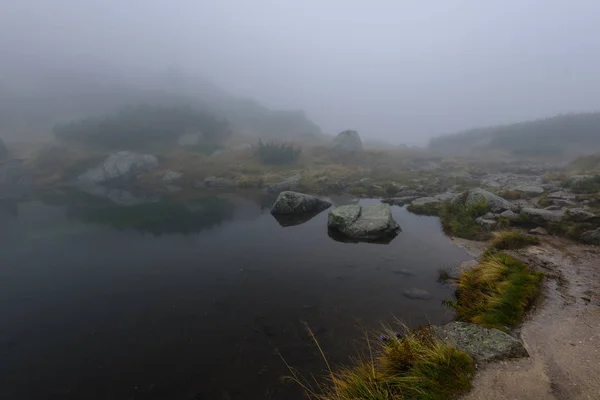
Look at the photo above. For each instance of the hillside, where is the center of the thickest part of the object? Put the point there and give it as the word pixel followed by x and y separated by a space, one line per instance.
pixel 31 104
pixel 562 135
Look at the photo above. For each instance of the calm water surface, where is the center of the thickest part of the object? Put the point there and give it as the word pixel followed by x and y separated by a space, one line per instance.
pixel 194 301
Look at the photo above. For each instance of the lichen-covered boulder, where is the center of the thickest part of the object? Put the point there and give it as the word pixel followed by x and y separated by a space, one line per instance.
pixel 368 223
pixel 541 216
pixel 580 214
pixel 483 344
pixel 494 203
pixel 298 203
pixel 348 141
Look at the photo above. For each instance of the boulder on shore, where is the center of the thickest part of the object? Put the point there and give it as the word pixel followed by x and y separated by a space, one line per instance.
pixel 368 223
pixel 298 203
pixel 119 167
pixel 483 344
pixel 348 141
pixel 494 203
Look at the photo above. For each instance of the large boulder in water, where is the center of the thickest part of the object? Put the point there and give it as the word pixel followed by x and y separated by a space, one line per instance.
pixel 368 223
pixel 494 203
pixel 119 167
pixel 298 203
pixel 481 343
pixel 348 141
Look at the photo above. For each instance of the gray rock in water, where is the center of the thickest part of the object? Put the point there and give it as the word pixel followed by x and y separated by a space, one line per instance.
pixel 539 231
pixel 171 176
pixel 286 184
pixel 298 203
pixel 483 344
pixel 363 222
pixel 541 216
pixel 494 203
pixel 591 237
pixel 530 190
pixel 579 214
pixel 120 166
pixel 348 141
pixel 417 294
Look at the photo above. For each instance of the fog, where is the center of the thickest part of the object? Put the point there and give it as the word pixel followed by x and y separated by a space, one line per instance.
pixel 402 71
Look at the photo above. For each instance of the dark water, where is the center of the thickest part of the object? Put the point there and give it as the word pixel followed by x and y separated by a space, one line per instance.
pixel 194 301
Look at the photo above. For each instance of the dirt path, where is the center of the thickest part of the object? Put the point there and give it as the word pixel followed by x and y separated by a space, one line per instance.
pixel 562 333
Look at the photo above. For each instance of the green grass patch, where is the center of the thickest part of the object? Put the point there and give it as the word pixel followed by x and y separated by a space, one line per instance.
pixel 411 365
pixel 459 220
pixel 496 293
pixel 425 209
pixel 513 240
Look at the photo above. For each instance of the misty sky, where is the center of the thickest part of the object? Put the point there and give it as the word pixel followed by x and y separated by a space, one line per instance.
pixel 393 69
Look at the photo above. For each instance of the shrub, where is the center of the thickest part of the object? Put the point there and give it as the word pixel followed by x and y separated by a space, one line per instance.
pixel 138 127
pixel 412 364
pixel 513 241
pixel 277 153
pixel 459 220
pixel 496 293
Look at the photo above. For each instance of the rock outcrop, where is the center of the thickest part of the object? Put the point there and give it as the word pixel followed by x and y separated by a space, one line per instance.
pixel 494 203
pixel 368 223
pixel 348 141
pixel 119 167
pixel 483 344
pixel 298 203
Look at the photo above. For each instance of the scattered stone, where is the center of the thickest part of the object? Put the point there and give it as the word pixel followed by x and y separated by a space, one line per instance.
pixel 417 294
pixel 483 344
pixel 553 208
pixel 399 201
pixel 489 215
pixel 363 222
pixel 591 237
pixel 508 214
pixel 286 184
pixel 562 195
pixel 171 176
pixel 119 167
pixel 539 231
pixel 348 141
pixel 541 215
pixel 579 214
pixel 494 203
pixel 297 203
pixel 486 223
pixel 530 190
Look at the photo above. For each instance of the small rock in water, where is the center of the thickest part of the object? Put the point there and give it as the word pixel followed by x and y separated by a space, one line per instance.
pixel 417 294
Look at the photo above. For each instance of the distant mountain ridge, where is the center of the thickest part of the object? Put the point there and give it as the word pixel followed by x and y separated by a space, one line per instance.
pixel 32 105
pixel 554 136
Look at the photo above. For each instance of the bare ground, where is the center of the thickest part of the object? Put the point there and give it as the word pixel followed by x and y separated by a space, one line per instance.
pixel 561 334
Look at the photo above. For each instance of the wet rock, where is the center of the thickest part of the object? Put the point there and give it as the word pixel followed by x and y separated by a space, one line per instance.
pixel 171 176
pixel 539 231
pixel 530 190
pixel 363 222
pixel 494 203
pixel 417 294
pixel 119 167
pixel 286 184
pixel 541 215
pixel 348 141
pixel 591 237
pixel 297 203
pixel 483 344
pixel 580 214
